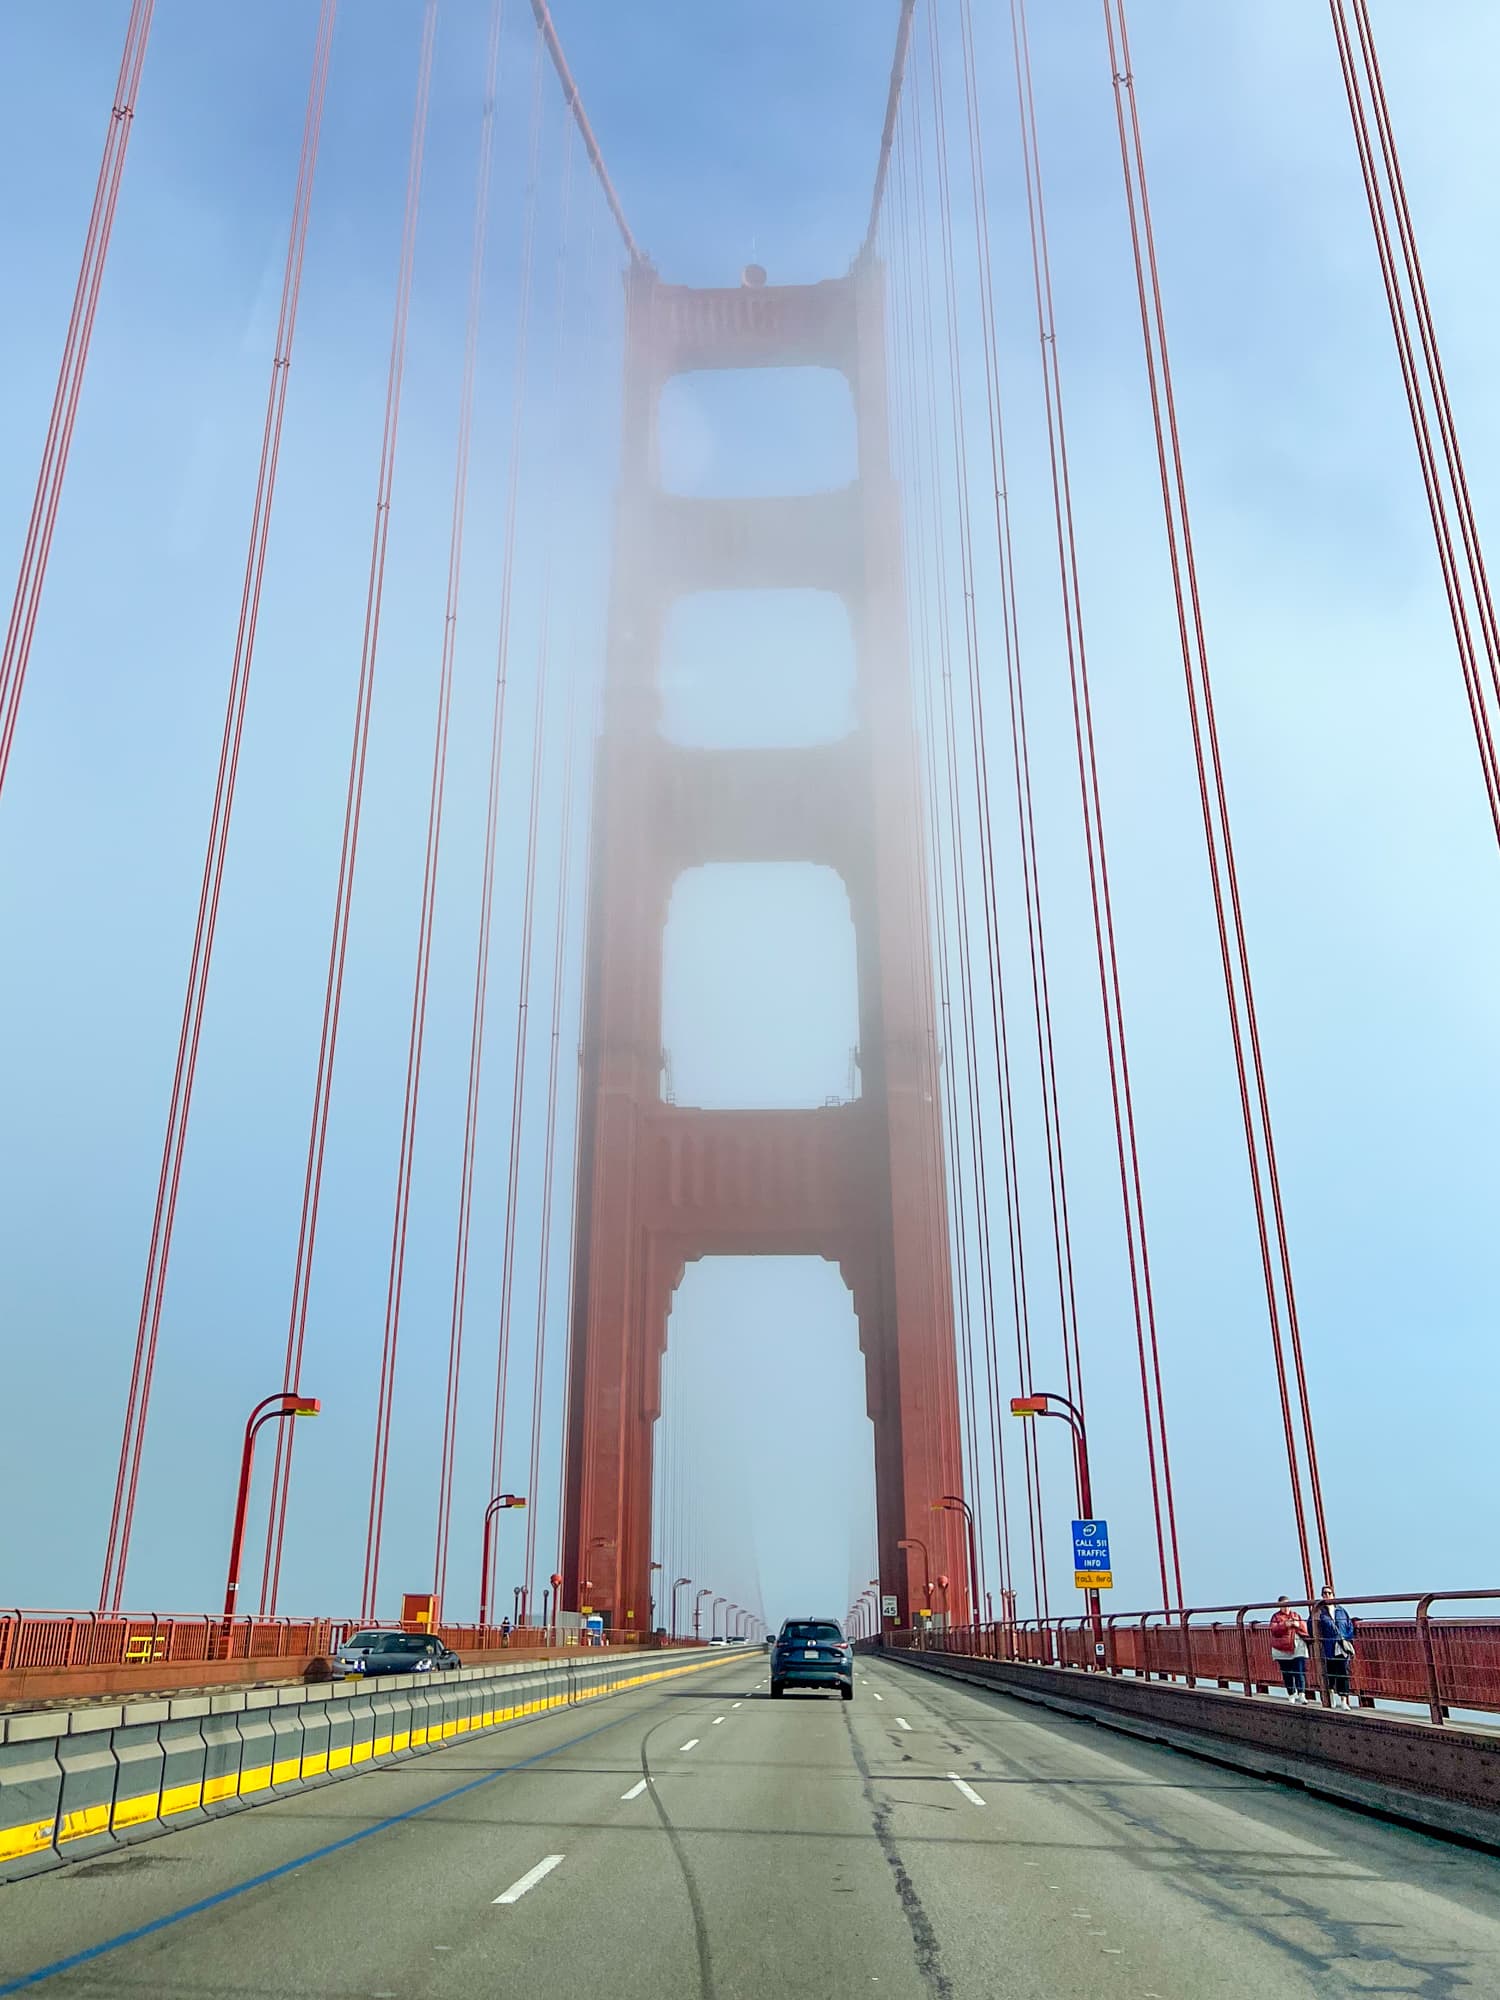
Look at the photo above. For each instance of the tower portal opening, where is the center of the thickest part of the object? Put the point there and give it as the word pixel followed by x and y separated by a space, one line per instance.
pixel 756 433
pixel 760 992
pixel 757 669
pixel 764 1457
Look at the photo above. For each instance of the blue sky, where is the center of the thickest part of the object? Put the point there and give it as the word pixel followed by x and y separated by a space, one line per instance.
pixel 732 133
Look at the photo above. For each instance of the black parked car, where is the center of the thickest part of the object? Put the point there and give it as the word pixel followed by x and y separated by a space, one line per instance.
pixel 369 1653
pixel 812 1652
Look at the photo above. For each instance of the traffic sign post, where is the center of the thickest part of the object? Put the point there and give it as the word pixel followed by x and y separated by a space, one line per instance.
pixel 888 1606
pixel 1092 1569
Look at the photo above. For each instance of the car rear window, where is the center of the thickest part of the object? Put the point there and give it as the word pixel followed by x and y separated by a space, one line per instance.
pixel 813 1630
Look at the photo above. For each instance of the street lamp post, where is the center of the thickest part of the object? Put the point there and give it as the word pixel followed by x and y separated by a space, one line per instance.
pixel 270 1410
pixel 713 1616
pixel 911 1542
pixel 501 1503
pixel 698 1613
pixel 652 1568
pixel 680 1584
pixel 1039 1404
pixel 952 1504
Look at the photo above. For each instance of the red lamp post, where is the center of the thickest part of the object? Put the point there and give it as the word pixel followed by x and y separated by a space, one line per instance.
pixel 500 1504
pixel 952 1504
pixel 270 1410
pixel 911 1542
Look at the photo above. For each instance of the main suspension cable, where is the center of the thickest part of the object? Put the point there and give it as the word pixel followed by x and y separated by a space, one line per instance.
pixel 888 129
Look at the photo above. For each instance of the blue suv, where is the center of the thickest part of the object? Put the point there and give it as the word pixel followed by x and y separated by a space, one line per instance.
pixel 812 1652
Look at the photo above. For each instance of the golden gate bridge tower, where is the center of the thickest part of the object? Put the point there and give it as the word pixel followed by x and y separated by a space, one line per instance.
pixel 860 1183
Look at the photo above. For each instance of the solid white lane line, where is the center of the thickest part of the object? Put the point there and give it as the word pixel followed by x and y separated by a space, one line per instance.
pixel 691 1744
pixel 902 1723
pixel 529 1880
pixel 968 1790
pixel 635 1790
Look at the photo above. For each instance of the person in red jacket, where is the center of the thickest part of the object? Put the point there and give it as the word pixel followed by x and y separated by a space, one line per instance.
pixel 1288 1636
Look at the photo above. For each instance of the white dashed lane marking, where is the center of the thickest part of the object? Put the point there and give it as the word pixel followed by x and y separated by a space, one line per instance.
pixel 529 1880
pixel 968 1790
pixel 635 1790
pixel 902 1723
pixel 691 1744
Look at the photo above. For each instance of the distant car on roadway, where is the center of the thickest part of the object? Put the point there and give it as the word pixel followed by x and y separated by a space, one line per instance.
pixel 370 1653
pixel 812 1652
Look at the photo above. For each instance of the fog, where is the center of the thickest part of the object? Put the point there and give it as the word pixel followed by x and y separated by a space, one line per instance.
pixel 733 133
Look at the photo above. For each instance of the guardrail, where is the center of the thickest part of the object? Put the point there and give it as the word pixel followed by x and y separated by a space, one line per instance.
pixel 1441 1663
pixel 86 1642
pixel 80 1781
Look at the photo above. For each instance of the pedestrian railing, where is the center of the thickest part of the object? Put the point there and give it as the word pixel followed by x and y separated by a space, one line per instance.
pixel 62 1640
pixel 1405 1650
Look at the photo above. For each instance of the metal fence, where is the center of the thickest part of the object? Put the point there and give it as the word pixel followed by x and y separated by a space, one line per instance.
pixel 59 1640
pixel 1403 1650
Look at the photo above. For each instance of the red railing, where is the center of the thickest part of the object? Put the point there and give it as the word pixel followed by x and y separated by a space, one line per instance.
pixel 59 1640
pixel 1438 1662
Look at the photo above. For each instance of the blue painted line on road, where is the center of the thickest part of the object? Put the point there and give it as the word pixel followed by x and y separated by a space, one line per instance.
pixel 213 1902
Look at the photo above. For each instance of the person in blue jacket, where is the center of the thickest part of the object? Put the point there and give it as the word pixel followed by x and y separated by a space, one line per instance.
pixel 1335 1630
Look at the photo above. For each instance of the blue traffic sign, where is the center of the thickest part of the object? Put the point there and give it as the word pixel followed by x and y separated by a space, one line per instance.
pixel 1091 1545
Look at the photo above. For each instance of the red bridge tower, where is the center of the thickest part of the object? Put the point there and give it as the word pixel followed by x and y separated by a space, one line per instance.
pixel 859 1183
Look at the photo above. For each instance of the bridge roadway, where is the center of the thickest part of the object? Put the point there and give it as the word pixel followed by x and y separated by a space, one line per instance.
pixel 715 1843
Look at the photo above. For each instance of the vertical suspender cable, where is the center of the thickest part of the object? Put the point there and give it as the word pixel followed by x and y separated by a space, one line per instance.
pixel 35 550
pixel 965 1280
pixel 528 918
pixel 561 355
pixel 1260 1148
pixel 169 1179
pixel 1036 934
pixel 483 183
pixel 1127 1154
pixel 492 810
pixel 1447 486
pixel 968 1012
pixel 994 957
pixel 523 1023
pixel 312 1182
pixel 416 1040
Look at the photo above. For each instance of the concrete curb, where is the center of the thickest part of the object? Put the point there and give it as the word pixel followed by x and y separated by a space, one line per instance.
pixel 92 1779
pixel 1287 1762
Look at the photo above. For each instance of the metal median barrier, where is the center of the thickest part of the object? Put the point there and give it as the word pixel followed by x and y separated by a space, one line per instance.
pixel 81 1781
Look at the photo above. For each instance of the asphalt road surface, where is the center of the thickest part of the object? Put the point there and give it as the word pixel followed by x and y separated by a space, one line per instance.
pixel 922 1841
